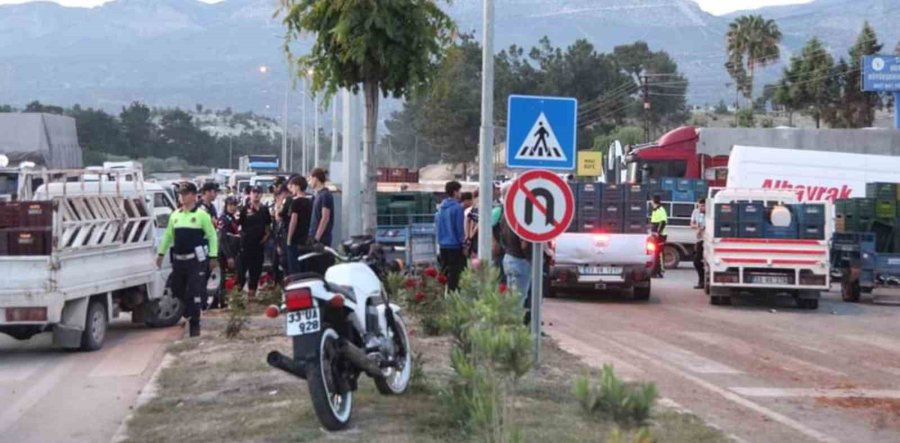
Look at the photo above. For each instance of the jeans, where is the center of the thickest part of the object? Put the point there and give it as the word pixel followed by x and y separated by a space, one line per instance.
pixel 452 264
pixel 518 275
pixel 295 266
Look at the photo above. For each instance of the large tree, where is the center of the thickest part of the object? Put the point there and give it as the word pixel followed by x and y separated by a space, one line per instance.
pixel 751 42
pixel 810 81
pixel 390 48
pixel 856 109
pixel 666 87
pixel 137 129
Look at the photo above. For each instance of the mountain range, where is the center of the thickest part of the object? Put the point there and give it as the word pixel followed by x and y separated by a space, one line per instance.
pixel 183 52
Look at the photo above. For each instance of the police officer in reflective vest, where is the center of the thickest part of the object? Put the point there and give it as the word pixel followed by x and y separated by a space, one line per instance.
pixel 192 237
pixel 659 221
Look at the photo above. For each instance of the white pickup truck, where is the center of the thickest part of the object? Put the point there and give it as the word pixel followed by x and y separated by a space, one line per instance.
pixel 602 261
pixel 99 259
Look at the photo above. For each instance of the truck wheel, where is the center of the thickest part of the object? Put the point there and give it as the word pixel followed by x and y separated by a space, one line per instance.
pixel 642 292
pixel 671 257
pixel 165 311
pixel 808 303
pixel 850 291
pixel 95 327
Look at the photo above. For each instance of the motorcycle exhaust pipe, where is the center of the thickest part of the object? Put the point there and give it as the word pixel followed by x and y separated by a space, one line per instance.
pixel 358 358
pixel 278 360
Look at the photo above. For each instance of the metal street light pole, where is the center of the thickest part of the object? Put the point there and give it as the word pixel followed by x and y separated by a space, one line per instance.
pixel 486 148
pixel 335 121
pixel 315 159
pixel 284 124
pixel 303 129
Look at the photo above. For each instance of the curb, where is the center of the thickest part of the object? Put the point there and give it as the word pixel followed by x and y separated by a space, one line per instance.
pixel 148 392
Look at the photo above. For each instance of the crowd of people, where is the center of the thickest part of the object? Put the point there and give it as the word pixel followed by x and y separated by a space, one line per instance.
pixel 247 233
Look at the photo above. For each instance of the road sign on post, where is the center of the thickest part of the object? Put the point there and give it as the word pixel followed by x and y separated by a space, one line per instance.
pixel 881 73
pixel 590 163
pixel 539 206
pixel 541 132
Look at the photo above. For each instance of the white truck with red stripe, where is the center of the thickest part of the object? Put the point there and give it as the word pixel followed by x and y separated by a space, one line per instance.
pixel 765 266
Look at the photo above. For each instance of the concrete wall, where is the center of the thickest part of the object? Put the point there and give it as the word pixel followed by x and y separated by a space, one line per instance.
pixel 718 141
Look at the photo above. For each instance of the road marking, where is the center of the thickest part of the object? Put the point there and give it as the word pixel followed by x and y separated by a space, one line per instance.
pixel 746 349
pixel 592 356
pixel 879 341
pixel 674 354
pixel 35 393
pixel 728 395
pixel 813 392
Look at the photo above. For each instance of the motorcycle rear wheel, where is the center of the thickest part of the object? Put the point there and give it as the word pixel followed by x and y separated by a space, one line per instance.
pixel 396 380
pixel 334 410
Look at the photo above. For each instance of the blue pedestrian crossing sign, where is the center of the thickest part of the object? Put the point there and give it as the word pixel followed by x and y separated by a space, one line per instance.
pixel 540 132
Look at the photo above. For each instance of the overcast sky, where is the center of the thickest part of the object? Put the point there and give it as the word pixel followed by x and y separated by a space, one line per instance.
pixel 716 7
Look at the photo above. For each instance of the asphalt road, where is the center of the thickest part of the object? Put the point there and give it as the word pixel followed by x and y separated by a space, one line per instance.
pixel 52 395
pixel 761 370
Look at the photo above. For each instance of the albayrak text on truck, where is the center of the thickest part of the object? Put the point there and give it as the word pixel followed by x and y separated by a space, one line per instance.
pixel 810 192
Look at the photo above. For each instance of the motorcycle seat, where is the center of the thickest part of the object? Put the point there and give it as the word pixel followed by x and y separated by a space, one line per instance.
pixel 346 291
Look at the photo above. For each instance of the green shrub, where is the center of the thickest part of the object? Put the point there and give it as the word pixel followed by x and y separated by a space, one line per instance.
pixel 492 350
pixel 614 399
pixel 425 296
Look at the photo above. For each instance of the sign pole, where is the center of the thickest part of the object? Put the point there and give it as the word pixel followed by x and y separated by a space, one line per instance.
pixel 537 289
pixel 896 111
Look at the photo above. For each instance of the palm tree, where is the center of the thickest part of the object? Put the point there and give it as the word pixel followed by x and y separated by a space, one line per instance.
pixel 752 42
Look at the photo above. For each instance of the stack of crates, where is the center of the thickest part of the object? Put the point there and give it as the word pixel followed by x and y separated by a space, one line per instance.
pixel 636 212
pixel 854 214
pixel 726 220
pixel 588 198
pixel 683 189
pixel 886 225
pixel 751 216
pixel 810 220
pixel 782 232
pixel 612 211
pixel 25 228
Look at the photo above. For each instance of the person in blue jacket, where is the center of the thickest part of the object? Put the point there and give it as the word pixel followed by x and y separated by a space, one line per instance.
pixel 449 224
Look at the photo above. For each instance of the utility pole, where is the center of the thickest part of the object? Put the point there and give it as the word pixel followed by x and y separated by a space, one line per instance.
pixel 645 88
pixel 486 146
pixel 230 151
pixel 335 121
pixel 303 141
pixel 284 124
pixel 416 154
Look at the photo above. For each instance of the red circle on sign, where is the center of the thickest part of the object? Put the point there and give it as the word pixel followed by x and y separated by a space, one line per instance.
pixel 518 186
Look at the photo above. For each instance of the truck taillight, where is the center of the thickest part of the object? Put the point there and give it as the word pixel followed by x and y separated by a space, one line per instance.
pixel 26 314
pixel 297 299
pixel 651 246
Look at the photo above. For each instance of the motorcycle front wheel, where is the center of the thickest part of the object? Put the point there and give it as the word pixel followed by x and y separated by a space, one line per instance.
pixel 332 408
pixel 396 379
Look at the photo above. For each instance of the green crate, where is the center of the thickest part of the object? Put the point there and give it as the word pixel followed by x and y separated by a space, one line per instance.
pixel 882 191
pixel 860 208
pixel 886 209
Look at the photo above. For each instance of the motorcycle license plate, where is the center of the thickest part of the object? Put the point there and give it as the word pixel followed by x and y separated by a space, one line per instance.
pixel 303 322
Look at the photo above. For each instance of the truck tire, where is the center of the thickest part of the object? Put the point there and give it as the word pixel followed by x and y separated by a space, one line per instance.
pixel 808 303
pixel 850 291
pixel 642 292
pixel 165 311
pixel 95 327
pixel 671 257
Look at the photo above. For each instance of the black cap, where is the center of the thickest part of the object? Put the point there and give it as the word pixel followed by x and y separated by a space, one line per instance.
pixel 209 186
pixel 187 187
pixel 257 188
pixel 231 201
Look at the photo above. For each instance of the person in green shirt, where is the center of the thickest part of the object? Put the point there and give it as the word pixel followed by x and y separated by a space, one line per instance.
pixel 194 248
pixel 659 221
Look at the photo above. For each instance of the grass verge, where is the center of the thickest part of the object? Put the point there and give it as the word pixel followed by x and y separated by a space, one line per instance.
pixel 222 390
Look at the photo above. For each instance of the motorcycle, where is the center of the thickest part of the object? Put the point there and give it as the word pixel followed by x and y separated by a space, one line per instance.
pixel 343 325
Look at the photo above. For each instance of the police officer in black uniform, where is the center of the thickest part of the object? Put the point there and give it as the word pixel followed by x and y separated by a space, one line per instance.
pixel 208 193
pixel 195 246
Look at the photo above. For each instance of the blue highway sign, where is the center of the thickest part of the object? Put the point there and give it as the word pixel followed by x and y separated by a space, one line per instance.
pixel 881 73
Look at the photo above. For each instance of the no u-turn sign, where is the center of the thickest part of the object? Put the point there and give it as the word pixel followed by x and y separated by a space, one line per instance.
pixel 539 206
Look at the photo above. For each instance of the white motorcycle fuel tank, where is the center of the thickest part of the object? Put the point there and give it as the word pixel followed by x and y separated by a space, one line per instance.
pixel 361 278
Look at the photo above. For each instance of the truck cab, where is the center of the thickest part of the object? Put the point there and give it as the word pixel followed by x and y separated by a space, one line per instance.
pixel 675 154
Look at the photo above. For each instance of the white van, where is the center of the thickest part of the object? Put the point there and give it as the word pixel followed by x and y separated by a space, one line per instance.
pixel 813 175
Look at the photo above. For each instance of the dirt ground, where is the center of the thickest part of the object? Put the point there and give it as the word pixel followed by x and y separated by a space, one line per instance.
pixel 222 390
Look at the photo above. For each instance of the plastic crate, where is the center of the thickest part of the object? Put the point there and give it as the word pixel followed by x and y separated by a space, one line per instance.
pixel 613 193
pixel 881 190
pixel 750 230
pixel 812 232
pixel 701 188
pixel 612 212
pixel 684 184
pixel 886 209
pixel 727 213
pixel 809 213
pixel 611 226
pixel 780 232
pixel 635 226
pixel 682 210
pixel 751 213
pixel 664 196
pixel 22 241
pixel 636 209
pixel 573 227
pixel 36 214
pixel 637 193
pixel 726 229
pixel 588 215
pixel 853 241
pixel 668 183
pixel 588 194
pixel 9 214
pixel 684 196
